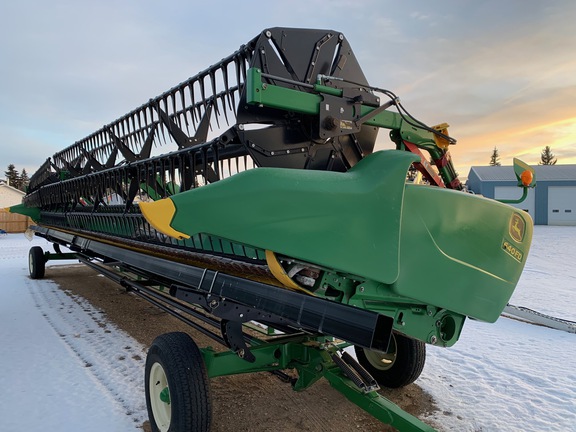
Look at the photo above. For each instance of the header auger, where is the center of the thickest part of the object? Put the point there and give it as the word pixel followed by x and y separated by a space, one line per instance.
pixel 271 205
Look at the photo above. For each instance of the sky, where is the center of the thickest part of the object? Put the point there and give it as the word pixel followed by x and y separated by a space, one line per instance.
pixel 501 73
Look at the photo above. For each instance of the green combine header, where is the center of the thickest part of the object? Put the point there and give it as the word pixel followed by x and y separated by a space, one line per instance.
pixel 267 203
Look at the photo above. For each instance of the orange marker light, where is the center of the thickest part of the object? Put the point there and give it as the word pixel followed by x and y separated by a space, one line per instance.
pixel 526 178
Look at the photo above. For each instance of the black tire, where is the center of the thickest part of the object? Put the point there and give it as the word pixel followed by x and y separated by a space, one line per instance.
pixel 36 262
pixel 401 365
pixel 175 368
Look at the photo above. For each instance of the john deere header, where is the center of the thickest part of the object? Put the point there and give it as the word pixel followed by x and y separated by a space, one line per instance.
pixel 253 192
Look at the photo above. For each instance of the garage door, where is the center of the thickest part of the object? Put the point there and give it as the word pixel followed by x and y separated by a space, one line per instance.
pixel 514 192
pixel 562 205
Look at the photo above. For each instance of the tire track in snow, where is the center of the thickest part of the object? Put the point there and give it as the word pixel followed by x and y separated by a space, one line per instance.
pixel 115 360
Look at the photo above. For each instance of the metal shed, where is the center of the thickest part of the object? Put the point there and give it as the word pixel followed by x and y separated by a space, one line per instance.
pixel 552 202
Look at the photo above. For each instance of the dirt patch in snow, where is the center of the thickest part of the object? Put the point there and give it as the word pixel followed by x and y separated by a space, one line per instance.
pixel 251 402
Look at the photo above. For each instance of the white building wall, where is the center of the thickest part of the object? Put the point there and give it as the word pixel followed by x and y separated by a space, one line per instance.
pixel 9 196
pixel 562 205
pixel 513 193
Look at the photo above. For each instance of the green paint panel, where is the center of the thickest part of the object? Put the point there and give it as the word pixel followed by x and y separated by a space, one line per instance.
pixel 429 245
pixel 273 96
pixel 453 251
pixel 32 212
pixel 346 221
pixel 269 95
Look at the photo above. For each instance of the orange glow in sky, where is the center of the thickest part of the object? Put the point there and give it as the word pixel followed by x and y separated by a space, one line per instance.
pixel 524 142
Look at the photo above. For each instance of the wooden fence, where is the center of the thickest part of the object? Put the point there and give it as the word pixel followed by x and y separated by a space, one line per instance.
pixel 14 223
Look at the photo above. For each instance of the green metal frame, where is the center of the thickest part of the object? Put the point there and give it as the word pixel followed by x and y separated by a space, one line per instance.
pixel 62 256
pixel 369 225
pixel 310 356
pixel 516 201
pixel 260 93
pixel 312 359
pixel 272 96
pixel 51 256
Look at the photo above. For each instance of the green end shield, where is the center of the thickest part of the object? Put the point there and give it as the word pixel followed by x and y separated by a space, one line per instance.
pixel 345 221
pixel 431 245
pixel 32 212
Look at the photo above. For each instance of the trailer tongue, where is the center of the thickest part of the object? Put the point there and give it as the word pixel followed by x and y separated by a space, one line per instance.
pixel 271 206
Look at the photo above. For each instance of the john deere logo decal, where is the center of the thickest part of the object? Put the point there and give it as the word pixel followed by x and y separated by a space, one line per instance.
pixel 517 228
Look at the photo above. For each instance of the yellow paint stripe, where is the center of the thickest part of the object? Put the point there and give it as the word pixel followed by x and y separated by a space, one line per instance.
pixel 278 272
pixel 159 214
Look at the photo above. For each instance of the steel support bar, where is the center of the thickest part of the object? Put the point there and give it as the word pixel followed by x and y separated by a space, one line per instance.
pixel 312 360
pixel 516 201
pixel 160 301
pixel 269 95
pixel 269 357
pixel 358 326
pixel 49 256
pixel 375 404
pixel 260 93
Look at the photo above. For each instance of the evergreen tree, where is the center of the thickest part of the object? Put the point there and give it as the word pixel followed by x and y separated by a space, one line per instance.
pixel 495 158
pixel 24 180
pixel 547 157
pixel 12 176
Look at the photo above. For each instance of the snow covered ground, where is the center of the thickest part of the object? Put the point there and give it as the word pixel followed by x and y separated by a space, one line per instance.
pixel 63 367
pixel 513 376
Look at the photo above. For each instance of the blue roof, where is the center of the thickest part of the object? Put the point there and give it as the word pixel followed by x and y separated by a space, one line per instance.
pixel 543 173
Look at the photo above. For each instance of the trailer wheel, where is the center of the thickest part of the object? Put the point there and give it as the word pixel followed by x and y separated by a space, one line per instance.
pixel 36 262
pixel 177 386
pixel 401 365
